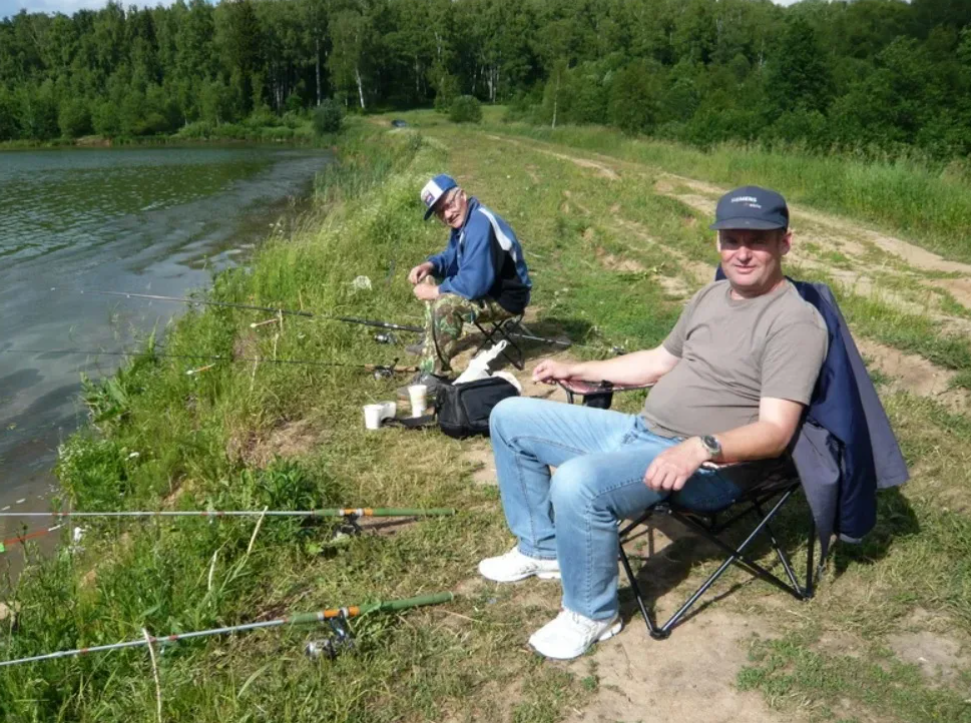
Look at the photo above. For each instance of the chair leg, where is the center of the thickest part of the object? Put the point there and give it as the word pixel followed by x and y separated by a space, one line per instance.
pixel 504 333
pixel 652 629
pixel 507 329
pixel 737 555
pixel 780 553
pixel 810 588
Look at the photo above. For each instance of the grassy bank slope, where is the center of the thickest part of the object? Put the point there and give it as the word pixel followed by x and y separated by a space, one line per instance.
pixel 210 440
pixel 614 255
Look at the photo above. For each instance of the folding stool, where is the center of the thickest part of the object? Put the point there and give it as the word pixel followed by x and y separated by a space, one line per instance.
pixel 503 330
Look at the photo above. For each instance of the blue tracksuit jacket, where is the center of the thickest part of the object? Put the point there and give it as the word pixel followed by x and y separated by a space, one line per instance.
pixel 483 259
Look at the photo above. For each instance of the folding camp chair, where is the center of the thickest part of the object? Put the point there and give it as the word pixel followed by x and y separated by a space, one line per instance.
pixel 777 487
pixel 503 330
pixel 763 501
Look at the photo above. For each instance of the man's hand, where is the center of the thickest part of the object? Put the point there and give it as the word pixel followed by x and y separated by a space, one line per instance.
pixel 420 272
pixel 674 466
pixel 550 371
pixel 426 292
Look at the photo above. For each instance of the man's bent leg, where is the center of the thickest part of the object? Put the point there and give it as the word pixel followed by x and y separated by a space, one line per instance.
pixel 444 318
pixel 590 495
pixel 489 311
pixel 529 436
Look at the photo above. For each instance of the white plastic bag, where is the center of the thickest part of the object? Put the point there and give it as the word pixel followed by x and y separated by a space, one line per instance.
pixel 479 366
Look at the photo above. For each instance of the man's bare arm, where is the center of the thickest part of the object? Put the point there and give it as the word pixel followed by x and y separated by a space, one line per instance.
pixel 639 368
pixel 765 439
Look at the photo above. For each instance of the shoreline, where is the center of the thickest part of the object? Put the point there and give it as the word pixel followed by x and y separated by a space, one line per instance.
pixel 285 192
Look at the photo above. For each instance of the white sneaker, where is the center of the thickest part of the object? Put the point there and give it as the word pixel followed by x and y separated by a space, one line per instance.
pixel 570 634
pixel 514 566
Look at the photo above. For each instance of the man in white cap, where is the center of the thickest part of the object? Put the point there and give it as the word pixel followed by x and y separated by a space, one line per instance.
pixel 482 275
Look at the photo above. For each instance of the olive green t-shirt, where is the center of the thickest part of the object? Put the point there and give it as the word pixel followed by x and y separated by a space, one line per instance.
pixel 734 352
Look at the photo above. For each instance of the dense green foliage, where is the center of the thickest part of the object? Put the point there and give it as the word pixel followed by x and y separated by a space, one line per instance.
pixel 870 75
pixel 465 109
pixel 328 117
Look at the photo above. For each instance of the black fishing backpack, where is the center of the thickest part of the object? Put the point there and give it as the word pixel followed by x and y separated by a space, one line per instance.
pixel 464 409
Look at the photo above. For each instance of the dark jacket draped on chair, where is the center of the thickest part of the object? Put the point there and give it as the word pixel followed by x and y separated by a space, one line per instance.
pixel 846 449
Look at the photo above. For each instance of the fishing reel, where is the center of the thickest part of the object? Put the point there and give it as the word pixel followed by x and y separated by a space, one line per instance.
pixel 348 526
pixel 385 338
pixel 384 372
pixel 330 647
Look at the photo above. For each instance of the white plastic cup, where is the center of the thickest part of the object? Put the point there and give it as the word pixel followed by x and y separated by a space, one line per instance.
pixel 417 394
pixel 372 415
pixel 389 410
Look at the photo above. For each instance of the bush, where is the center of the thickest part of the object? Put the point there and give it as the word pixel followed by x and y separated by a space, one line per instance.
pixel 633 103
pixel 196 130
pixel 446 91
pixel 74 118
pixel 106 120
pixel 262 117
pixel 328 117
pixel 465 109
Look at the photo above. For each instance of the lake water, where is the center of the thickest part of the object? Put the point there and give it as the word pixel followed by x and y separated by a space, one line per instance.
pixel 157 221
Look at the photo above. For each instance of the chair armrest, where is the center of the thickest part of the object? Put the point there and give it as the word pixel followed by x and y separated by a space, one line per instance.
pixel 576 386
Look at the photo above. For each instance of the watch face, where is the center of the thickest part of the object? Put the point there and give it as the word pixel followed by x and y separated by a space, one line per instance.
pixel 711 444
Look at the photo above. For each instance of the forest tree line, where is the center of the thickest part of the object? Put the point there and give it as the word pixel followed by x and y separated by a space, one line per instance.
pixel 883 75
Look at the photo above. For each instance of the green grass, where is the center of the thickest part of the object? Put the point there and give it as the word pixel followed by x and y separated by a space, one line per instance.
pixel 210 441
pixel 918 200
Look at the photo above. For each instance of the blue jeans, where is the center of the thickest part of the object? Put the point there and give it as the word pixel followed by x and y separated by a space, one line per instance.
pixel 601 458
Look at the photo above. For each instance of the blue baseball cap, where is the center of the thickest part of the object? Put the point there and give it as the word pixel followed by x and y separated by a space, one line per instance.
pixel 434 190
pixel 751 207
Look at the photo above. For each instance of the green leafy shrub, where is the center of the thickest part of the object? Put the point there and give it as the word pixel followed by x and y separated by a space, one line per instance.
pixel 74 118
pixel 262 117
pixel 446 91
pixel 465 109
pixel 328 118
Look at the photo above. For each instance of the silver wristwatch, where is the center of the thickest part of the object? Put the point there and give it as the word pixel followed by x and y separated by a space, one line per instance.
pixel 712 445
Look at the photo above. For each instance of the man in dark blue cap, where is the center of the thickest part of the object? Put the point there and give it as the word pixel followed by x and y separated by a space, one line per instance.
pixel 482 275
pixel 729 385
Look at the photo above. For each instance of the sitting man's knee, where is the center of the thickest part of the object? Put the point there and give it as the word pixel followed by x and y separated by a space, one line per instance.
pixel 574 483
pixel 509 409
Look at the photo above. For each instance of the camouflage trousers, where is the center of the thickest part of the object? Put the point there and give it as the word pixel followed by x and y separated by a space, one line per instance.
pixel 444 319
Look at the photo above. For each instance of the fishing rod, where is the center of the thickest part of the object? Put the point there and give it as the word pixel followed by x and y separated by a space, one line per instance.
pixel 321 616
pixel 380 370
pixel 323 512
pixel 346 319
pixel 159 297
pixel 272 310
